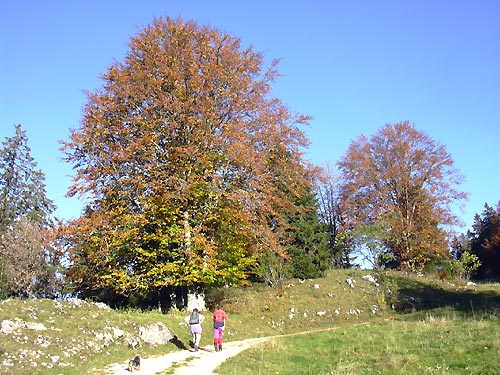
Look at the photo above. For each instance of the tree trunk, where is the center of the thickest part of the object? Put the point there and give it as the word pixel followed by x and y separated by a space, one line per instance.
pixel 196 297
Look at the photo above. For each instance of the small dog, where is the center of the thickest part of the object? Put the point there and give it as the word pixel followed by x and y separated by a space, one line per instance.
pixel 135 364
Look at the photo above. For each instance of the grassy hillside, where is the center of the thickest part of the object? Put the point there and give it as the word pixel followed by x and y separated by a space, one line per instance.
pixel 444 345
pixel 430 327
pixel 77 337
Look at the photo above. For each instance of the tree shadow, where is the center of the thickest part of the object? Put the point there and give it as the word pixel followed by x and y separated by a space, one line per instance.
pixel 414 296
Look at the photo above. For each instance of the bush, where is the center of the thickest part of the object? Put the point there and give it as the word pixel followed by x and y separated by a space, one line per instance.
pixel 465 266
pixel 271 269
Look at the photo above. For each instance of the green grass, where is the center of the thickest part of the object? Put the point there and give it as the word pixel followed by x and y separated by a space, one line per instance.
pixel 431 346
pixel 77 339
pixel 405 325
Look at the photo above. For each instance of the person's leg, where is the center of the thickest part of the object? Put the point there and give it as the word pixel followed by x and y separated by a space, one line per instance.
pixel 219 339
pixel 221 333
pixel 197 337
pixel 216 339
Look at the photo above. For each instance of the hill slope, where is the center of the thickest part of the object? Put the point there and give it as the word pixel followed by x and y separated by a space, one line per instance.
pixel 77 337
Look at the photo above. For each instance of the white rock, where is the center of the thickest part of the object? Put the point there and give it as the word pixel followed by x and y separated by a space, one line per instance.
pixel 35 326
pixel 8 326
pixel 371 279
pixel 101 305
pixel 155 334
pixel 75 302
pixel 351 282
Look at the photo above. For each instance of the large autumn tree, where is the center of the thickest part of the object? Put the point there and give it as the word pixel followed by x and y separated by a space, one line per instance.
pixel 178 156
pixel 403 184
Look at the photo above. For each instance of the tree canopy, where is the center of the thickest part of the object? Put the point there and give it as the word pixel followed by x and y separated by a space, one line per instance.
pixel 308 245
pixel 186 161
pixel 403 183
pixel 22 184
pixel 327 190
pixel 28 263
pixel 484 241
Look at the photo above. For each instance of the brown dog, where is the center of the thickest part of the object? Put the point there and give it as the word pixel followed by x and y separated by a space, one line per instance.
pixel 135 364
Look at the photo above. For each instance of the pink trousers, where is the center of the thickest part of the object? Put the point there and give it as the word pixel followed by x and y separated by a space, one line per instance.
pixel 218 333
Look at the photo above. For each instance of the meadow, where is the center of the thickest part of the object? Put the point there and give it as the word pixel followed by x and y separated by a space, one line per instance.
pixel 445 345
pixel 349 322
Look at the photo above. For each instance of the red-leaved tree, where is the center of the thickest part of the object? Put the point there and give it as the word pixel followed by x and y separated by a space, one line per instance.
pixel 403 183
pixel 178 155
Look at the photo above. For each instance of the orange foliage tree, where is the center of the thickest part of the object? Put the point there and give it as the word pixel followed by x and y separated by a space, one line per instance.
pixel 178 155
pixel 404 183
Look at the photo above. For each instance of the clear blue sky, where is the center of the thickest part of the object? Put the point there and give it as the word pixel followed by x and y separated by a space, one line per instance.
pixel 352 65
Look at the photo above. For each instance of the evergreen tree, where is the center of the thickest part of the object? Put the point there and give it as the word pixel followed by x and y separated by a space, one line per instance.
pixel 22 185
pixel 485 241
pixel 308 248
pixel 27 263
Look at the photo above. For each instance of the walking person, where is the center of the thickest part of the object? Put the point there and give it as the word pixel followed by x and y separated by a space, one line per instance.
pixel 194 320
pixel 220 318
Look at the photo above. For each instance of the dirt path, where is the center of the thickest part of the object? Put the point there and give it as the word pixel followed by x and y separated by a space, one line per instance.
pixel 203 362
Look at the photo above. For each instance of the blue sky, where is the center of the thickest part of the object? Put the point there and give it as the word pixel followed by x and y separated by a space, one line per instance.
pixel 352 65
